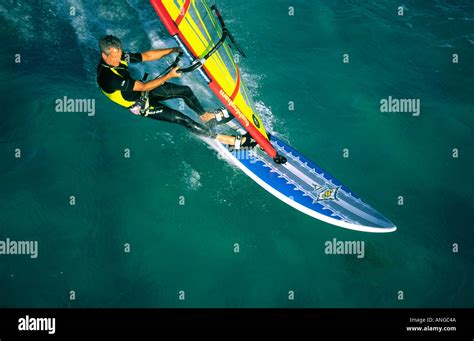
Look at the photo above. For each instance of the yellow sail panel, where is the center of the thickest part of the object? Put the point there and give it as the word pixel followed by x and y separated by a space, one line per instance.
pixel 199 30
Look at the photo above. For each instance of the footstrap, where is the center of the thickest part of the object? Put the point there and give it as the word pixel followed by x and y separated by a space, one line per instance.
pixel 221 114
pixel 238 142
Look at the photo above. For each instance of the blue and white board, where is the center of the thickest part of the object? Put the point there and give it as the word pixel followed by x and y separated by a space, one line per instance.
pixel 303 185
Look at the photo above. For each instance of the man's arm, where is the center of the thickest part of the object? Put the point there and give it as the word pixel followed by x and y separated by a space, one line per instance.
pixel 140 86
pixel 158 54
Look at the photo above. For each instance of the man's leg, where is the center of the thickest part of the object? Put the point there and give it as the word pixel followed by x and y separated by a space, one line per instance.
pixel 164 113
pixel 171 91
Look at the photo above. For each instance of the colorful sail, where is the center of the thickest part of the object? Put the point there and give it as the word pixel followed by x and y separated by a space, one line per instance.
pixel 201 33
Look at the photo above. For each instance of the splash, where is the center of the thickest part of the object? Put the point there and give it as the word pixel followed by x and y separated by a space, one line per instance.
pixel 191 177
pixel 20 16
pixel 253 83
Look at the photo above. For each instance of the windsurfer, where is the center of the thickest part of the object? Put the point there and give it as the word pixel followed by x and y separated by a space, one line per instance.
pixel 145 98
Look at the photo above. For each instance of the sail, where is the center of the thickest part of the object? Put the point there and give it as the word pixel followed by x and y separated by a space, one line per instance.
pixel 201 33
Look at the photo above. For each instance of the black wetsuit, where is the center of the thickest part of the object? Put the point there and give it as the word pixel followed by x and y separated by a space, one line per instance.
pixel 165 113
pixel 119 80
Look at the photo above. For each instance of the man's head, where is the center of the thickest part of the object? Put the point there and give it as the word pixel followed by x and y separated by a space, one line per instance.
pixel 111 49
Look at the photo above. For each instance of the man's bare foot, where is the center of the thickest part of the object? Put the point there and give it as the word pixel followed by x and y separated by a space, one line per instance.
pixel 207 116
pixel 228 139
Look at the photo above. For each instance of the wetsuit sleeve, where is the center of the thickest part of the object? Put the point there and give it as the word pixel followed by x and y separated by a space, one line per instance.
pixel 132 57
pixel 118 83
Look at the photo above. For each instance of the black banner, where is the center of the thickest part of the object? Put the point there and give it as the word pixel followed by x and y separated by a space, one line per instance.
pixel 59 323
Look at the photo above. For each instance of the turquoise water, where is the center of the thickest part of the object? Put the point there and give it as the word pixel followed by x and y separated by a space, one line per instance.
pixel 190 247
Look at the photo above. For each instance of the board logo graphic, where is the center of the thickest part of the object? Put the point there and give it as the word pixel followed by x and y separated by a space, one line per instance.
pixel 328 194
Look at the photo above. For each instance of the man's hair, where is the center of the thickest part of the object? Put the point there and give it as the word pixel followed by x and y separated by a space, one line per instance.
pixel 108 42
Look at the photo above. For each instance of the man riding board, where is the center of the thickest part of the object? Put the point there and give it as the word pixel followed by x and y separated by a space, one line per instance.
pixel 145 98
